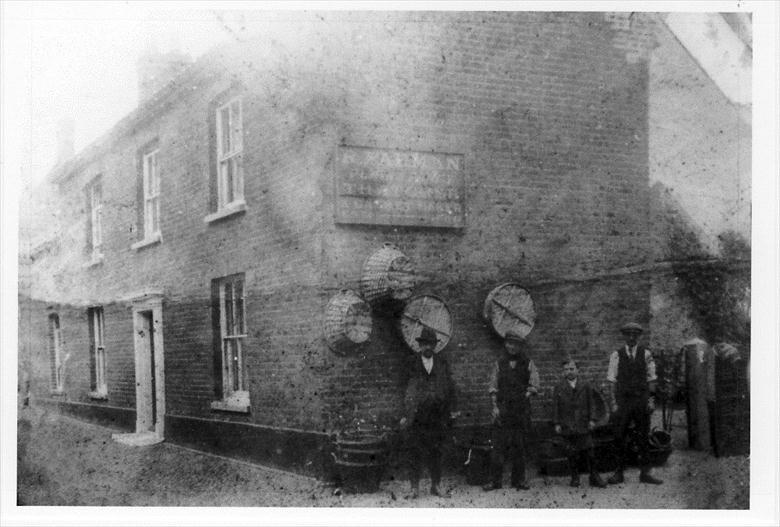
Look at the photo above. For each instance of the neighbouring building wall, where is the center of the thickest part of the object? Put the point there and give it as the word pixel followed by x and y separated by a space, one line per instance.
pixel 700 172
pixel 700 143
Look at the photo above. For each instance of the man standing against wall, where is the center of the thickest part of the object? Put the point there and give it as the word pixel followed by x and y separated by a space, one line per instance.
pixel 632 379
pixel 428 403
pixel 513 381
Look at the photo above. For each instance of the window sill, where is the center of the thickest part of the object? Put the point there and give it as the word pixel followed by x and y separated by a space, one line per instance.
pixel 238 402
pixel 146 242
pixel 234 208
pixel 100 396
pixel 97 259
pixel 57 391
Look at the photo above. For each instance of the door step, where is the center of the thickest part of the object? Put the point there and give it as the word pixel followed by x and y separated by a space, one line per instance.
pixel 137 439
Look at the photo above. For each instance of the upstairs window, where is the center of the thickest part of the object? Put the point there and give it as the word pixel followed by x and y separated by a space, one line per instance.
pixel 230 328
pixel 94 193
pixel 97 360
pixel 230 146
pixel 151 184
pixel 56 362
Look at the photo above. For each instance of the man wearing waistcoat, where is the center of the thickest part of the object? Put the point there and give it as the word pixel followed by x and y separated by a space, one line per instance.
pixel 513 381
pixel 632 379
pixel 428 403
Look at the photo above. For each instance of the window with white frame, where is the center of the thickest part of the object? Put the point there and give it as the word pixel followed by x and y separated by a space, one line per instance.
pixel 98 358
pixel 151 184
pixel 230 145
pixel 95 193
pixel 55 353
pixel 232 342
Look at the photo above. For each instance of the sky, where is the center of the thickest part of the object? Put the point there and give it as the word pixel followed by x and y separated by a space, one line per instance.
pixel 77 60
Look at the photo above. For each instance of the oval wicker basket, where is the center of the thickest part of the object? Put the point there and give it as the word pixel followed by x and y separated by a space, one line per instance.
pixel 347 322
pixel 388 275
pixel 425 311
pixel 509 306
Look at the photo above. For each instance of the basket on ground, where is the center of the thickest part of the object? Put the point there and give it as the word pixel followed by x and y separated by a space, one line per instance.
pixel 360 461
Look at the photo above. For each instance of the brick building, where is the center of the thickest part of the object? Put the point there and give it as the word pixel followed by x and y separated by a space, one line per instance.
pixel 201 239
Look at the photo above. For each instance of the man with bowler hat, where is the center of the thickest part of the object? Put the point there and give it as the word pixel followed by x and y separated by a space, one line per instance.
pixel 428 403
pixel 513 381
pixel 632 380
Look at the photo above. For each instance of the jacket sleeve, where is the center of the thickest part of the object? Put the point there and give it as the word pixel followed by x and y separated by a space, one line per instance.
pixel 409 392
pixel 452 395
pixel 590 394
pixel 556 408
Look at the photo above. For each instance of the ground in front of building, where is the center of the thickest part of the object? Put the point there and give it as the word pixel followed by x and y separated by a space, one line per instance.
pixel 64 461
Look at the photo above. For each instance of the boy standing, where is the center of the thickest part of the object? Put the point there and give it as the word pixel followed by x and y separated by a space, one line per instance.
pixel 574 407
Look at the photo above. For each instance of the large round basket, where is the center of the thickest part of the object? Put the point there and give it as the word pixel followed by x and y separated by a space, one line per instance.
pixel 388 275
pixel 360 461
pixel 347 322
pixel 509 306
pixel 425 311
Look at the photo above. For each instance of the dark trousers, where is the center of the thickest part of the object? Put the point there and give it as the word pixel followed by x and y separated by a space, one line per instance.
pixel 508 444
pixel 423 444
pixel 633 410
pixel 580 445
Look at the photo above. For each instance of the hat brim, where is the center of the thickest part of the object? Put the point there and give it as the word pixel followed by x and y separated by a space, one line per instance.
pixel 636 331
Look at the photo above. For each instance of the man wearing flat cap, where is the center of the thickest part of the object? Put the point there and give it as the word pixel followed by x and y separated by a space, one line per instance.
pixel 632 380
pixel 513 381
pixel 428 404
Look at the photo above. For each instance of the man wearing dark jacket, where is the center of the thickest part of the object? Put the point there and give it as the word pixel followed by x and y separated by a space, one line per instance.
pixel 574 417
pixel 513 381
pixel 428 403
pixel 632 379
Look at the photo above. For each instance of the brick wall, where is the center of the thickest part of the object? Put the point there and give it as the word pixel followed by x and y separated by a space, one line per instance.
pixel 550 113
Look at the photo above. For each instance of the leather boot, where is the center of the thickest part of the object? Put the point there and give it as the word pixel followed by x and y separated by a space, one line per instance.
pixel 616 478
pixel 595 478
pixel 415 491
pixel 596 481
pixel 645 477
pixel 574 470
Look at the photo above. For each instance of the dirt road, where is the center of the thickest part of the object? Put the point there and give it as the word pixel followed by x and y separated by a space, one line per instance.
pixel 63 461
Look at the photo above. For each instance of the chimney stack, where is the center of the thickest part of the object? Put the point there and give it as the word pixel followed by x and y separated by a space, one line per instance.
pixel 65 144
pixel 156 70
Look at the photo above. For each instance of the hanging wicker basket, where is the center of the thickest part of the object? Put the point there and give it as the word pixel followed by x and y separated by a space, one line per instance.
pixel 425 311
pixel 388 275
pixel 347 322
pixel 509 306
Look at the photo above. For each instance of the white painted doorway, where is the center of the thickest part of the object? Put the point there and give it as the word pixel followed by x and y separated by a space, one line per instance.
pixel 149 373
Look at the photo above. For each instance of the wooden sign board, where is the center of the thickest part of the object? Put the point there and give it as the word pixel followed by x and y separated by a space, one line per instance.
pixel 395 187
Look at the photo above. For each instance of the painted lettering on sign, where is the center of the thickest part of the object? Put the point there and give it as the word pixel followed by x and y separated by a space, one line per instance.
pixel 392 187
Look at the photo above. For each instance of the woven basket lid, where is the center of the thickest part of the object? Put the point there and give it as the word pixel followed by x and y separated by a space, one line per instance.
pixel 425 311
pixel 347 322
pixel 510 307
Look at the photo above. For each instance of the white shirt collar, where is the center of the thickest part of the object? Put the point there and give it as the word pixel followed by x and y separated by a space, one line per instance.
pixel 427 364
pixel 631 351
pixel 573 383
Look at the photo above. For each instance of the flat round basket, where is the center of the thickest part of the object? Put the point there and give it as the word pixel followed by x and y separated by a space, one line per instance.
pixel 347 322
pixel 388 275
pixel 509 306
pixel 425 311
